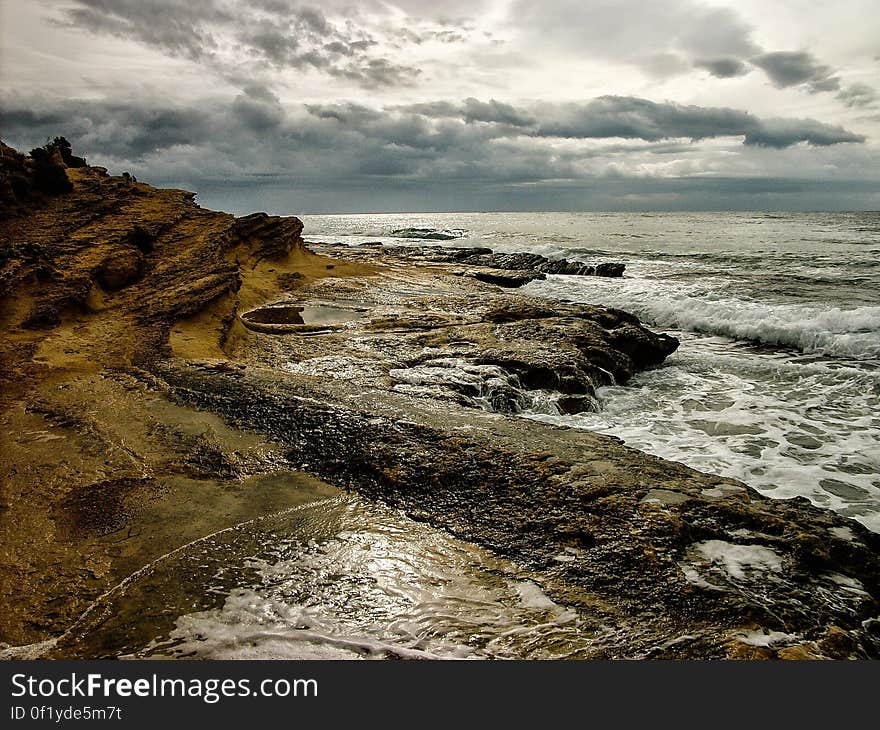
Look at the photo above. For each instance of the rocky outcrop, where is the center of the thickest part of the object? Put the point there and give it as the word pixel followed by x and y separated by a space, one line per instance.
pixel 120 269
pixel 269 236
pixel 145 256
pixel 532 264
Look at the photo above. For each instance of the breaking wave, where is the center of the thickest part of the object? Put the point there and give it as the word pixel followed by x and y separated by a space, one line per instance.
pixel 430 234
pixel 850 333
pixel 842 332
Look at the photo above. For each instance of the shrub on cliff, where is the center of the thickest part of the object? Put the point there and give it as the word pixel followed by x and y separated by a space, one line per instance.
pixel 66 151
pixel 49 171
pixel 15 182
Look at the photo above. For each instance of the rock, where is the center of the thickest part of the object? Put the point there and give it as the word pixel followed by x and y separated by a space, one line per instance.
pixel 507 279
pixel 610 269
pixel 120 269
pixel 15 178
pixel 289 280
pixel 530 261
pixel 269 236
pixel 571 405
pixel 49 175
pixel 66 152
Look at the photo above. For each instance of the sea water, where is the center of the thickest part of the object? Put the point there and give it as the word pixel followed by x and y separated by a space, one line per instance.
pixel 776 381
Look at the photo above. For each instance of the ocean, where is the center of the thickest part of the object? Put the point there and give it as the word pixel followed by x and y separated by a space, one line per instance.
pixel 776 380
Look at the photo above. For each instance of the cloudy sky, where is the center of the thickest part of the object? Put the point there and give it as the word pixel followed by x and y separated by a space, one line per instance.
pixel 426 105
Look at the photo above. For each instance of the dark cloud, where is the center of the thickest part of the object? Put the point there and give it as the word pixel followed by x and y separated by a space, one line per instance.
pixel 429 156
pixel 471 140
pixel 258 108
pixel 781 133
pixel 181 29
pixel 349 49
pixel 474 110
pixel 375 72
pixel 858 95
pixel 633 118
pixel 236 40
pixel 723 68
pixel 795 68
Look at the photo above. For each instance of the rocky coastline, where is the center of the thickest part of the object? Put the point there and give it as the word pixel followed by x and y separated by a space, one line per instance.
pixel 158 360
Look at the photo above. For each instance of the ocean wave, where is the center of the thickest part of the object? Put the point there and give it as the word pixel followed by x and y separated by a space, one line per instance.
pixel 430 234
pixel 851 333
pixel 833 331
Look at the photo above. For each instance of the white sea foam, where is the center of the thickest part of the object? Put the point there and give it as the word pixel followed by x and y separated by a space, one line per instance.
pixel 812 328
pixel 766 638
pixel 786 428
pixel 738 559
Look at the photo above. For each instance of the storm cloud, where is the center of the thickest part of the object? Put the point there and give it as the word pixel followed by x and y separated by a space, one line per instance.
pixel 797 68
pixel 723 68
pixel 487 140
pixel 423 105
pixel 859 95
pixel 634 118
pixel 231 38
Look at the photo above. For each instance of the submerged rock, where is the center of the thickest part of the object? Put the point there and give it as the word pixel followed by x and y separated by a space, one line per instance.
pixel 610 269
pixel 428 234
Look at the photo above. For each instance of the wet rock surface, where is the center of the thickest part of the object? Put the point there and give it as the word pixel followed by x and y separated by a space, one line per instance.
pixel 138 417
pixel 675 563
pixel 455 339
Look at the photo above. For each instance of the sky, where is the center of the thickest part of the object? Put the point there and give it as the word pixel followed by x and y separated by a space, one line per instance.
pixel 345 106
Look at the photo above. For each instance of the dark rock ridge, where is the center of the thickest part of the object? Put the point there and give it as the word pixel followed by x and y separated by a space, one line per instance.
pixel 534 266
pixel 269 236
